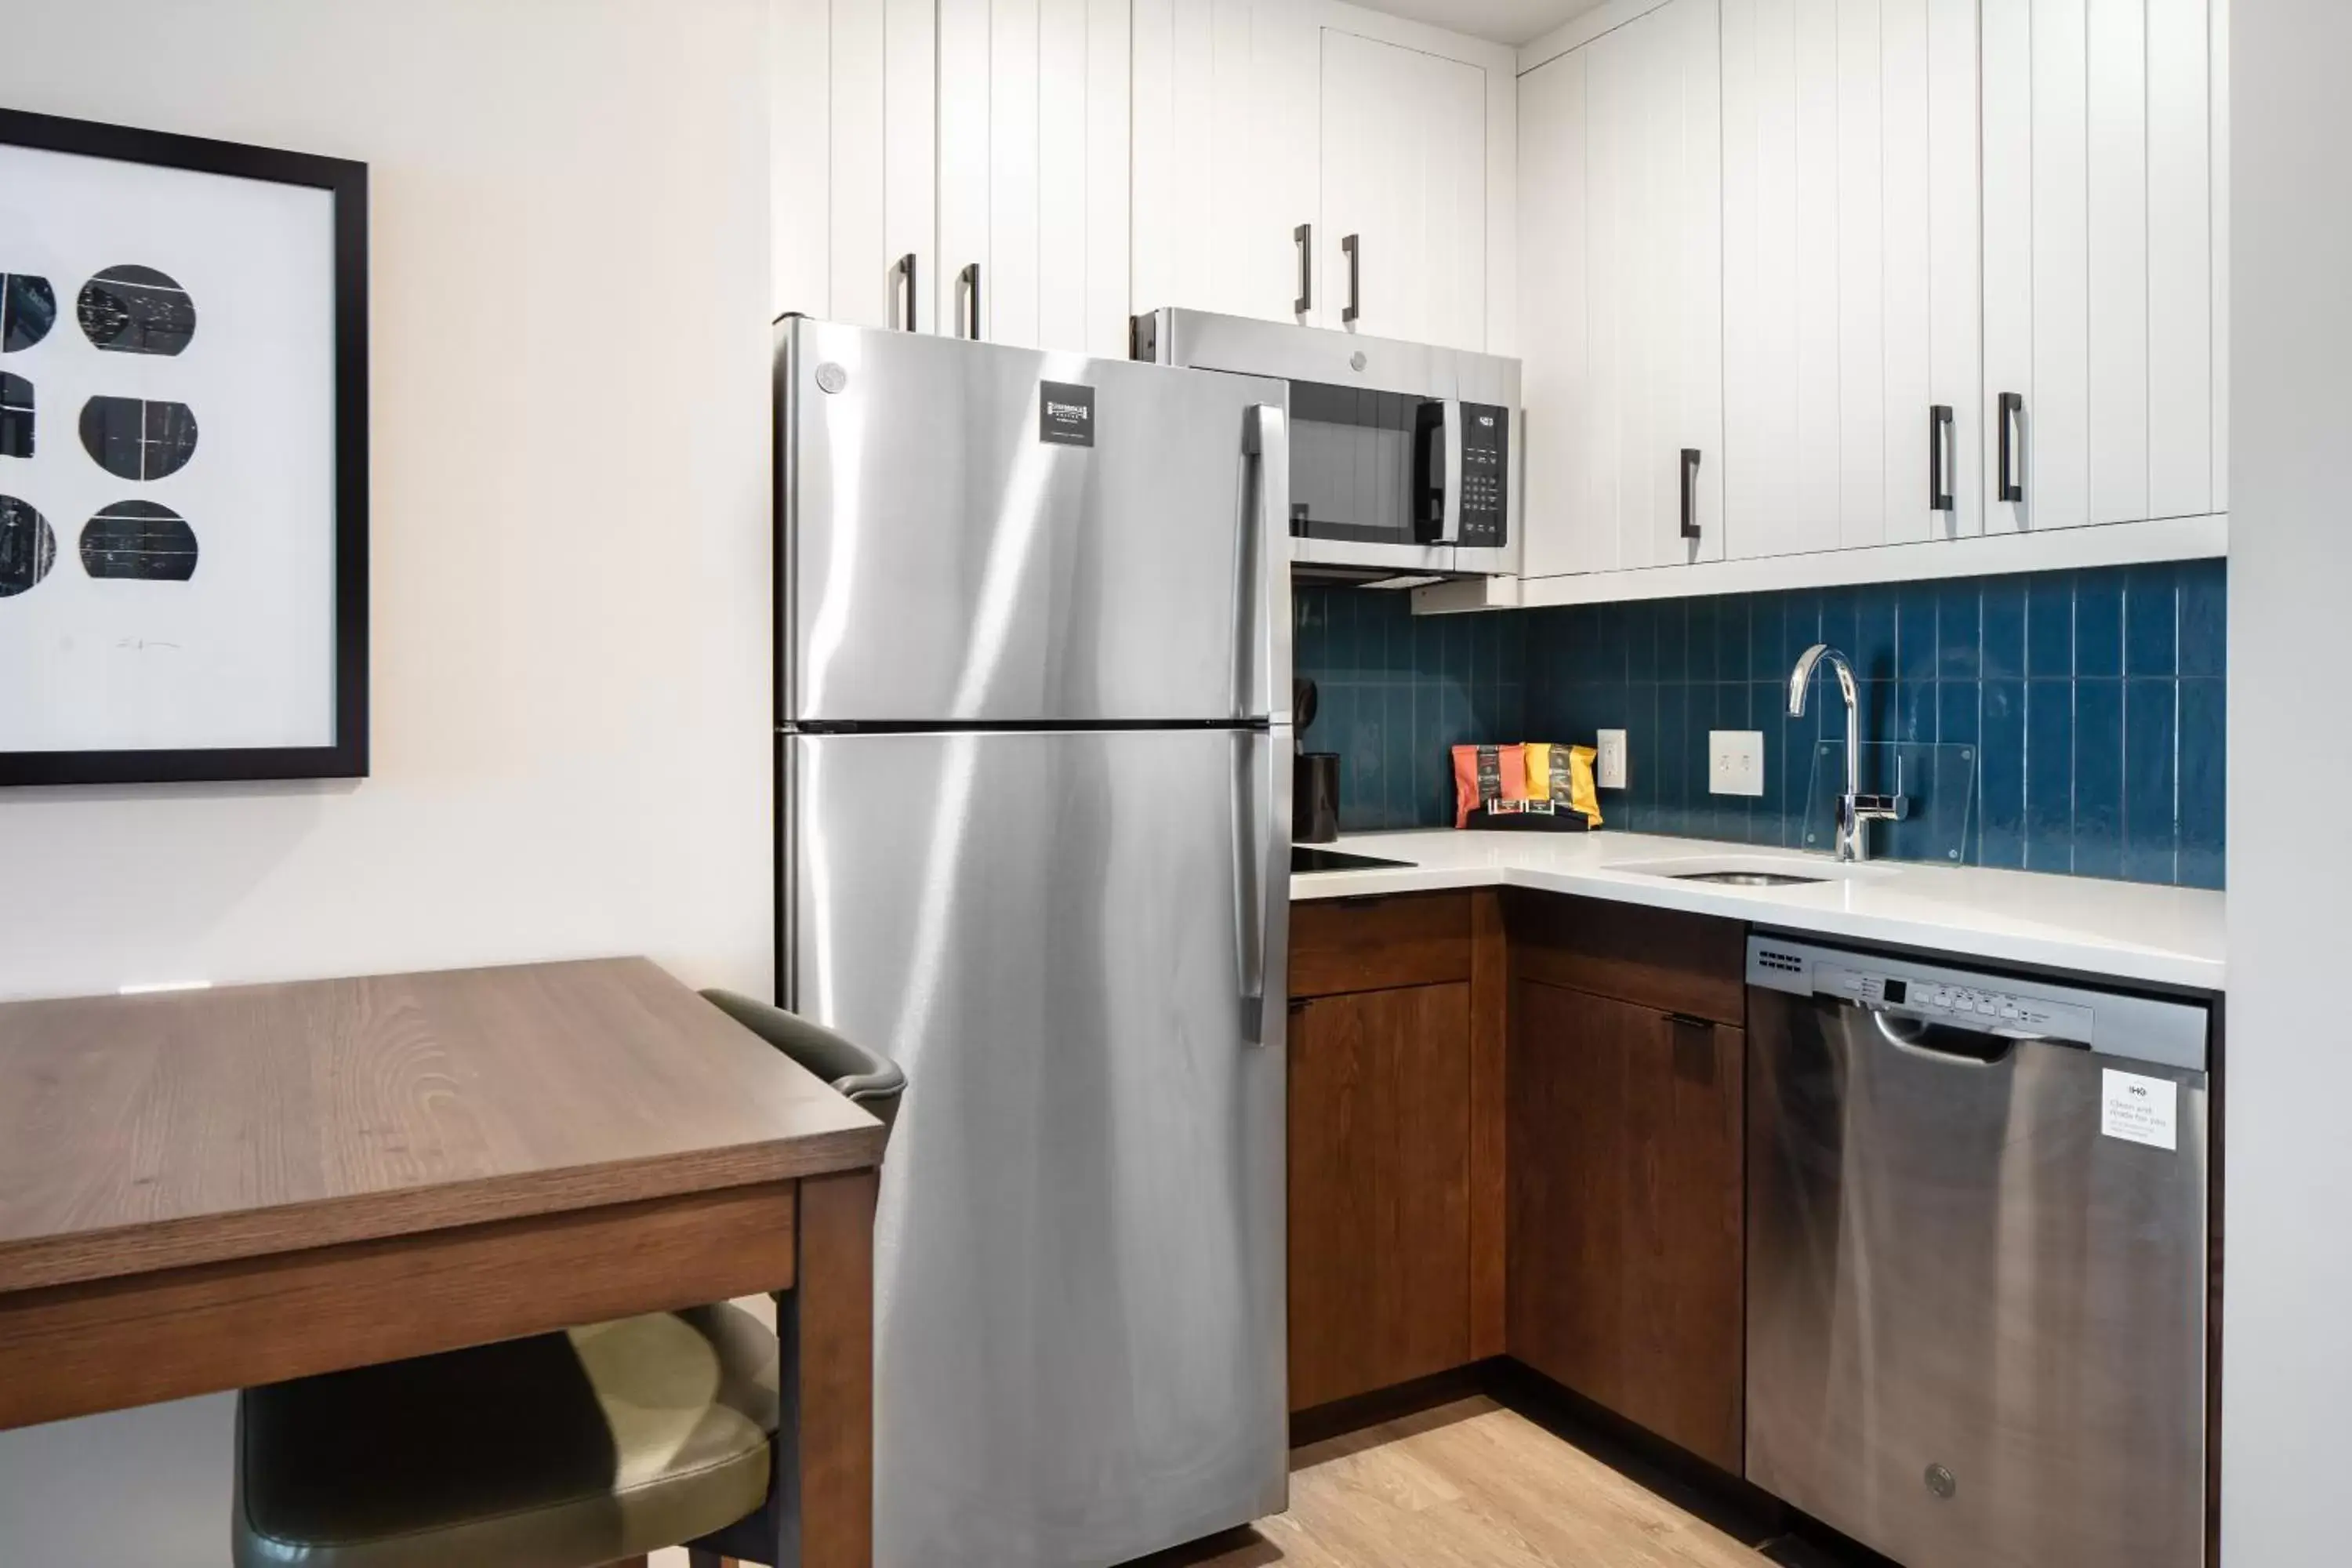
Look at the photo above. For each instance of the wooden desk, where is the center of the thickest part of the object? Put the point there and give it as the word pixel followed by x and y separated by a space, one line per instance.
pixel 209 1190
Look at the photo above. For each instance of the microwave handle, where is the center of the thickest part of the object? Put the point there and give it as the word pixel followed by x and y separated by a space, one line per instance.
pixel 1449 527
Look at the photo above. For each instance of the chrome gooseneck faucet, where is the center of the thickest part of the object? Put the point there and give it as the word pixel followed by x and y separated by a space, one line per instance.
pixel 1856 809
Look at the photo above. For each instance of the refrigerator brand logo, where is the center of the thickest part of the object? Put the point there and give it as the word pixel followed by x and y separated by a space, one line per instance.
pixel 1065 414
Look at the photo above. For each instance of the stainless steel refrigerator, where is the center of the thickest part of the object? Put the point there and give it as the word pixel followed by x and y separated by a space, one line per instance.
pixel 1033 635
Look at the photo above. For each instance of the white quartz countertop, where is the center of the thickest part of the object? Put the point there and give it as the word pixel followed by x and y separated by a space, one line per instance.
pixel 2123 930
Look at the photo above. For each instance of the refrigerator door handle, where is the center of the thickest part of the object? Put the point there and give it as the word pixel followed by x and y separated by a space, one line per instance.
pixel 1261 573
pixel 1262 765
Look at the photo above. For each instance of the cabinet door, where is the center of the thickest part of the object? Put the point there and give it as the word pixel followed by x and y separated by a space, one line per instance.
pixel 2099 246
pixel 1626 1223
pixel 1379 1200
pixel 1636 116
pixel 1032 171
pixel 1851 292
pixel 855 154
pixel 1226 134
pixel 1404 174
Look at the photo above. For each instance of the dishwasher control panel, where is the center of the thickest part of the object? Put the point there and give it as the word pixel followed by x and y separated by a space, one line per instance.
pixel 1968 1006
pixel 2170 1032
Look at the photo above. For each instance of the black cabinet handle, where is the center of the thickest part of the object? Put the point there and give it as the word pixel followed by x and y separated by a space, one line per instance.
pixel 968 286
pixel 1355 306
pixel 2012 410
pixel 902 273
pixel 1690 492
pixel 1939 435
pixel 1304 238
pixel 1686 1021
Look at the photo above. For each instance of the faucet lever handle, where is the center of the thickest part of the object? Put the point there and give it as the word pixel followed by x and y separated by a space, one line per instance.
pixel 1882 807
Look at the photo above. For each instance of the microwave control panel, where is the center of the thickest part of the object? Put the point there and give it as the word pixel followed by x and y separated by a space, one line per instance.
pixel 1486 468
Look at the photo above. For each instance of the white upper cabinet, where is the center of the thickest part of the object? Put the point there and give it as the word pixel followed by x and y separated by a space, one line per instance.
pixel 2100 240
pixel 1403 240
pixel 1851 287
pixel 979 145
pixel 1269 131
pixel 1225 139
pixel 1034 173
pixel 1621 315
pixel 854 159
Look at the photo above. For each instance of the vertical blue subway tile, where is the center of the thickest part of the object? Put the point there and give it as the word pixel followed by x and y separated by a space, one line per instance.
pixel 2050 624
pixel 1698 639
pixel 1957 708
pixel 1766 630
pixel 1583 653
pixel 2151 733
pixel 1840 613
pixel 1767 714
pixel 1731 617
pixel 1915 632
pixel 2099 624
pixel 1672 761
pixel 2204 617
pixel 2204 740
pixel 1871 644
pixel 1800 627
pixel 2002 653
pixel 2000 775
pixel 1641 641
pixel 2049 776
pixel 1959 631
pixel 1916 713
pixel 2098 778
pixel 2152 620
pixel 1879 705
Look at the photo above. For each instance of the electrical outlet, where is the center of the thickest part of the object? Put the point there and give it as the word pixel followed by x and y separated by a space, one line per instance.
pixel 1610 770
pixel 1735 762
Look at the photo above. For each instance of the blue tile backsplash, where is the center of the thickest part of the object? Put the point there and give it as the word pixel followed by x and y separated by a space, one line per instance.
pixel 2066 721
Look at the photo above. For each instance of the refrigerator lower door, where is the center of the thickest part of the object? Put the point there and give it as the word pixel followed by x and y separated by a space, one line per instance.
pixel 1073 943
pixel 978 534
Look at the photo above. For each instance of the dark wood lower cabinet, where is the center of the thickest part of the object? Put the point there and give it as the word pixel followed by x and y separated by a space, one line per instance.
pixel 1379 1189
pixel 1626 1217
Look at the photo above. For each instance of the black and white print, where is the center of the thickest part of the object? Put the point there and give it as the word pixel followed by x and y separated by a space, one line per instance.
pixel 168 447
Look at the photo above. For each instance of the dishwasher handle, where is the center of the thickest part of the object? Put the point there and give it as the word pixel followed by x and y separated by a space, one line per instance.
pixel 1952 1044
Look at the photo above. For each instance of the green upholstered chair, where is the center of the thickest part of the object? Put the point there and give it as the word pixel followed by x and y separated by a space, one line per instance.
pixel 595 1445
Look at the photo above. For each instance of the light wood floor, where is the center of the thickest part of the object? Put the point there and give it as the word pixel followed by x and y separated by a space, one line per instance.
pixel 1467 1485
pixel 1471 1485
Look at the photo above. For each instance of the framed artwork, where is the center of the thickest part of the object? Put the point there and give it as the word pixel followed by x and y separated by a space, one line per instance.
pixel 184 458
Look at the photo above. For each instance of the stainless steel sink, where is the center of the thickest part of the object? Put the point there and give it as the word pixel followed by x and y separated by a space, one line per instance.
pixel 1747 878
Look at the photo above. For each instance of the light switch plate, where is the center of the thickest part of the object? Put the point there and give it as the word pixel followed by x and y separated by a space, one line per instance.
pixel 1611 765
pixel 1735 762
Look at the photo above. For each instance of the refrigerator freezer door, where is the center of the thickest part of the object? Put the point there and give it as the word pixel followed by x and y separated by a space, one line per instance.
pixel 1073 943
pixel 973 535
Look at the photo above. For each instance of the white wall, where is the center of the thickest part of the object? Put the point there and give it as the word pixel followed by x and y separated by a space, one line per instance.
pixel 2286 1360
pixel 571 557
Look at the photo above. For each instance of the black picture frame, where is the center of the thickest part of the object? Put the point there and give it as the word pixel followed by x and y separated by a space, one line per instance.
pixel 347 756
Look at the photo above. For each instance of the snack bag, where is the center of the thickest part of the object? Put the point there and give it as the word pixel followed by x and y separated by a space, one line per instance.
pixel 1493 778
pixel 1563 776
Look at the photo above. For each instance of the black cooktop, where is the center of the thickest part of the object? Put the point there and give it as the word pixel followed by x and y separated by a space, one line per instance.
pixel 1308 857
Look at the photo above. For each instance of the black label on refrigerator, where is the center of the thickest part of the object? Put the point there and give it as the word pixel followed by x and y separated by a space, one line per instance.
pixel 1065 414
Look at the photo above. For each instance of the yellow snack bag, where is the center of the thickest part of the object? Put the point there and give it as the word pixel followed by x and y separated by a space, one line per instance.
pixel 1562 775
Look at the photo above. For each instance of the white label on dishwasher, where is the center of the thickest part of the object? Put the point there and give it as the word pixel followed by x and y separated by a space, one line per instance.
pixel 2139 1110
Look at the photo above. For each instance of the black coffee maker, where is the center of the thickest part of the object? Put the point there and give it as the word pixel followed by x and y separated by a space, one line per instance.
pixel 1314 779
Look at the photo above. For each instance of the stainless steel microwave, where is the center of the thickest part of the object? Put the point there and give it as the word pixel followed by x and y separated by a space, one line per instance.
pixel 1404 458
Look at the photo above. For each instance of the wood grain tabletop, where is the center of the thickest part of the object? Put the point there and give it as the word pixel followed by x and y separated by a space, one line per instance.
pixel 139 1133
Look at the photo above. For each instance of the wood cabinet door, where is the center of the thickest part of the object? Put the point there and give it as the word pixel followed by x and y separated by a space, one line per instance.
pixel 1850 287
pixel 1627 1219
pixel 1379 1189
pixel 2104 217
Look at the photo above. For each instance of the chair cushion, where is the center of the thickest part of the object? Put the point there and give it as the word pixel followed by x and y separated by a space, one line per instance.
pixel 558 1451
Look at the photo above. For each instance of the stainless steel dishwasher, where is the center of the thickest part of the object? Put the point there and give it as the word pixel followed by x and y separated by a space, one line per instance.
pixel 1977 1275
